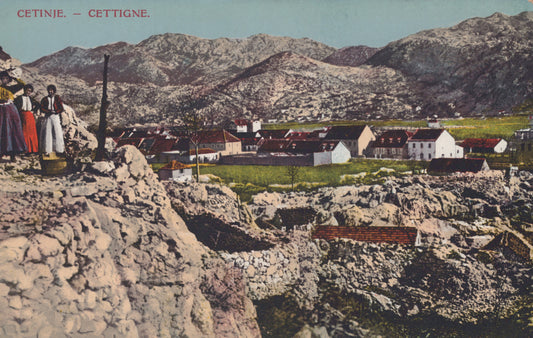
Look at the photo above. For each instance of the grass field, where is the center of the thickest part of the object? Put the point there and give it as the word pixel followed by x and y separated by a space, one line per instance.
pixel 328 174
pixel 250 180
pixel 491 127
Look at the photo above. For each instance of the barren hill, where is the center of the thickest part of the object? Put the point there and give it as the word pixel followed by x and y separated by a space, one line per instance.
pixel 175 58
pixel 479 66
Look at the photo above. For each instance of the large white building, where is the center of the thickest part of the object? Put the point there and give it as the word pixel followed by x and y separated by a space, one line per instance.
pixel 427 144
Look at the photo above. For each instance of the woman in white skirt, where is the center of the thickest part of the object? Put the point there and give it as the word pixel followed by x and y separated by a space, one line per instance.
pixel 51 132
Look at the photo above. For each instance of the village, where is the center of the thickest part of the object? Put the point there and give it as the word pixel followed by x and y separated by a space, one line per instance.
pixel 244 142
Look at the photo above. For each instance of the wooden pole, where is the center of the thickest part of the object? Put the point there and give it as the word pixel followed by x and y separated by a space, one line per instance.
pixel 100 135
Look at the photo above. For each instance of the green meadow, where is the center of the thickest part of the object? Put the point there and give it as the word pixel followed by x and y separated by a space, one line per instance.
pixel 490 127
pixel 247 181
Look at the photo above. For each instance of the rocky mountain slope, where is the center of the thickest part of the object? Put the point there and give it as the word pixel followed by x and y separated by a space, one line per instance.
pixel 172 59
pixel 481 65
pixel 351 56
pixel 447 285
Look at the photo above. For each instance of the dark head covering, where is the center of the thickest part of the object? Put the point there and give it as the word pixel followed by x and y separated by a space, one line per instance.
pixel 51 87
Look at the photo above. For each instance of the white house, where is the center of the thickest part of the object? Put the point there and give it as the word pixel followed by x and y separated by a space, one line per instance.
pixel 175 171
pixel 484 145
pixel 427 144
pixel 205 155
pixel 244 126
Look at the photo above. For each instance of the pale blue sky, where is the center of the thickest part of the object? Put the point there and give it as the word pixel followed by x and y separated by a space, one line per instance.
pixel 337 23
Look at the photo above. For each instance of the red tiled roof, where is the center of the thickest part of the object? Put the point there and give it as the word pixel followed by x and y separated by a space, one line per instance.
pixel 162 144
pixel 217 136
pixel 273 145
pixel 399 235
pixel 201 151
pixel 487 143
pixel 241 122
pixel 392 139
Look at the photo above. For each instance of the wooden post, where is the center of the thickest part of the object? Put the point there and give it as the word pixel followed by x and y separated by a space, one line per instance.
pixel 100 135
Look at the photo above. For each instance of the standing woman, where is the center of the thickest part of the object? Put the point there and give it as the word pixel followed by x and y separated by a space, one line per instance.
pixel 27 106
pixel 11 136
pixel 51 132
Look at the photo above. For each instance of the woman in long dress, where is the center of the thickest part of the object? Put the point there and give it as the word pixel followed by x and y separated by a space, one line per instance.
pixel 11 136
pixel 27 106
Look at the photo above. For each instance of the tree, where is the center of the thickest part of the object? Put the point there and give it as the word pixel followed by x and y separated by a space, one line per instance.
pixel 196 119
pixel 293 171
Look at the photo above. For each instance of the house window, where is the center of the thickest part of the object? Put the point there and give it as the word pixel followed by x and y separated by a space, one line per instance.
pixel 421 145
pixel 421 156
pixel 429 145
pixel 414 145
pixel 429 156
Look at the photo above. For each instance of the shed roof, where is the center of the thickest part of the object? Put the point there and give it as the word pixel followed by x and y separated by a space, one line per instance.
pixel 450 165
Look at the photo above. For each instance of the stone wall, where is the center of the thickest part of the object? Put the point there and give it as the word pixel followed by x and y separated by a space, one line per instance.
pixel 290 266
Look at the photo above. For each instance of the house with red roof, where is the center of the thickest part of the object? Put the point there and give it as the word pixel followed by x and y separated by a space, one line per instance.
pixel 221 141
pixel 244 126
pixel 175 171
pixel 391 144
pixel 427 144
pixel 484 145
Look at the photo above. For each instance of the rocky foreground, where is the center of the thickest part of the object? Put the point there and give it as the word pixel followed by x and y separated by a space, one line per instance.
pixel 450 284
pixel 108 250
pixel 101 252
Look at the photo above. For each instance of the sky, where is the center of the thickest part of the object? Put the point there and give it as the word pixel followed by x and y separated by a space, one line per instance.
pixel 338 23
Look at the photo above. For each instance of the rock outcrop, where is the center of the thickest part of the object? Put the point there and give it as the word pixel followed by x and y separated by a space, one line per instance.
pixel 102 253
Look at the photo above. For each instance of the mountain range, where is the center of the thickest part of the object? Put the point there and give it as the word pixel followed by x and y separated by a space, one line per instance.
pixel 480 66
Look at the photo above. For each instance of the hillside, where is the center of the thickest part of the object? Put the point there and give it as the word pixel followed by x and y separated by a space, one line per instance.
pixel 480 66
pixel 175 59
